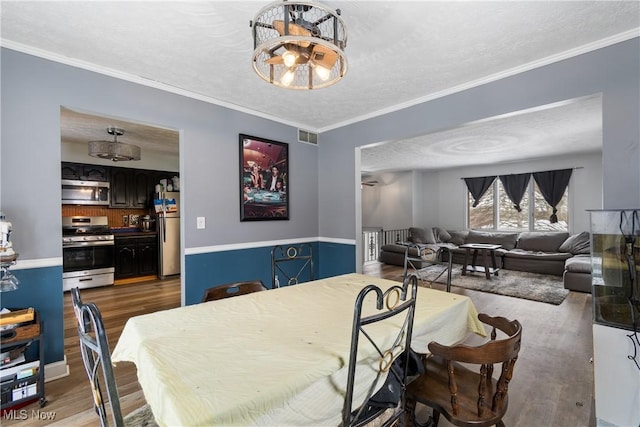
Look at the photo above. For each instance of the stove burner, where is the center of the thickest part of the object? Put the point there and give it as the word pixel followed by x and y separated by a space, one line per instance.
pixel 85 226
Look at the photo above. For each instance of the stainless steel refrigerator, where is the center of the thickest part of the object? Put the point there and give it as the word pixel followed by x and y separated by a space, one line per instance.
pixel 167 207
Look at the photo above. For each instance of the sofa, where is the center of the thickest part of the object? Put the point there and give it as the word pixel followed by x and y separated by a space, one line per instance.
pixel 555 253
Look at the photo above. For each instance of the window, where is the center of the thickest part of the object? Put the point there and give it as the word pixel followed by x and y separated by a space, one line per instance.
pixel 483 215
pixel 496 212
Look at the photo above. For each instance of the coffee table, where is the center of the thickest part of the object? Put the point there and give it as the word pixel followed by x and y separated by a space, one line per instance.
pixel 488 251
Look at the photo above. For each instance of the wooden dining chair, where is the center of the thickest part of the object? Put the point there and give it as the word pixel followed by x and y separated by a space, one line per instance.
pixel 94 348
pixel 232 289
pixel 467 396
pixel 291 264
pixel 384 405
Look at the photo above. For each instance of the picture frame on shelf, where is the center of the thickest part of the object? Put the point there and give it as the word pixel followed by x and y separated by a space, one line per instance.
pixel 264 179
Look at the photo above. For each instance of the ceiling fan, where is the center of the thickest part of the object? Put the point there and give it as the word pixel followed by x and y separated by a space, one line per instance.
pixel 299 44
pixel 369 183
pixel 297 52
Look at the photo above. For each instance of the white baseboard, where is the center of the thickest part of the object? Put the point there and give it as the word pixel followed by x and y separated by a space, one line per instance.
pixel 55 370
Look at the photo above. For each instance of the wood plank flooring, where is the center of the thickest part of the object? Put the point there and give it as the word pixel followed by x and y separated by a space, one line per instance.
pixel 552 383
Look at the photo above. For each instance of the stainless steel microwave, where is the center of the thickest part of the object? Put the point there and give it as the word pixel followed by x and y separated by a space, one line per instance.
pixel 85 192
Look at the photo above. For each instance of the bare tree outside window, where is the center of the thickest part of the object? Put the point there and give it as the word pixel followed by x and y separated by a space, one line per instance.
pixel 483 215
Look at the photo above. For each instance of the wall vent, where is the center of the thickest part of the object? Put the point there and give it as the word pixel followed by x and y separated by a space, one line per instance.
pixel 307 137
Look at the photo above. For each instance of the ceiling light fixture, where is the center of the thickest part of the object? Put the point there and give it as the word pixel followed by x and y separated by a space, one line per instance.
pixel 114 150
pixel 299 45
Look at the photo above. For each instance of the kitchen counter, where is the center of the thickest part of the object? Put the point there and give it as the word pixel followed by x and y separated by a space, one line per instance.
pixel 131 232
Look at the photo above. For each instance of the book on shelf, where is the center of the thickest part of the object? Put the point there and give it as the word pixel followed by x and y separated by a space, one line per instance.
pixel 19 371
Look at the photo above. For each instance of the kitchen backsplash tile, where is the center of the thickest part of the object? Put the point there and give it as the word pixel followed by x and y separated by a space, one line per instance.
pixel 115 215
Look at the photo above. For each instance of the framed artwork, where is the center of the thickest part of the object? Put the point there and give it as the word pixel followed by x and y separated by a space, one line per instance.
pixel 264 179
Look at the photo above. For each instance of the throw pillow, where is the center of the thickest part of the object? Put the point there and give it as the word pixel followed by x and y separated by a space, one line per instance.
pixel 441 234
pixel 421 236
pixel 577 244
pixel 416 235
pixel 458 237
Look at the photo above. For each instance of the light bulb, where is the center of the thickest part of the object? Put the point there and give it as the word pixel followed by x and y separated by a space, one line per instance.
pixel 289 58
pixel 287 77
pixel 322 72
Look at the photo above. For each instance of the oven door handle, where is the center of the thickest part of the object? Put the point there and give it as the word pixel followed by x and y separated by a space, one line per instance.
pixel 88 244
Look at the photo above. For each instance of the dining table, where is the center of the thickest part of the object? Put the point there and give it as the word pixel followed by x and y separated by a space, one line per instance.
pixel 276 357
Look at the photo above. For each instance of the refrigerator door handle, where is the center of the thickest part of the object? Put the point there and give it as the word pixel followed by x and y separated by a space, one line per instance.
pixel 164 228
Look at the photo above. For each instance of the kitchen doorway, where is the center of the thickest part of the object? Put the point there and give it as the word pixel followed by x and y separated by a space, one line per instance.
pixel 136 188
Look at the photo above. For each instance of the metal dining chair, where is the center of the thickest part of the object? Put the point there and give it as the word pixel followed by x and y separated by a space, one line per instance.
pixel 94 348
pixel 291 264
pixel 395 306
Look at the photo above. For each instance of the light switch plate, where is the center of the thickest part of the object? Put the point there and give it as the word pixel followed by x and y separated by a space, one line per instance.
pixel 200 223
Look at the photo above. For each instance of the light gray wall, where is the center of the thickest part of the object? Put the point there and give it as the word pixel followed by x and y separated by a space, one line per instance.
pixel 440 196
pixel 585 188
pixel 611 71
pixel 33 90
pixel 389 203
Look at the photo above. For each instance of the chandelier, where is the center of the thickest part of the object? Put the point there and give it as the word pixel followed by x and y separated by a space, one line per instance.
pixel 114 150
pixel 299 45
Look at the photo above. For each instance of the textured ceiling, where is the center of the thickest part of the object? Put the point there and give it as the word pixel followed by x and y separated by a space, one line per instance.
pixel 79 127
pixel 564 128
pixel 399 53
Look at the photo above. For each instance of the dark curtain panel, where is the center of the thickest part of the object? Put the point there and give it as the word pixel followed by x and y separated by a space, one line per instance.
pixel 552 185
pixel 478 186
pixel 515 186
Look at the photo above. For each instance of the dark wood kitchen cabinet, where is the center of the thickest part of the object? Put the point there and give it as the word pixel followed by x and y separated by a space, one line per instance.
pixel 84 172
pixel 136 256
pixel 142 183
pixel 131 188
pixel 120 188
pixel 134 188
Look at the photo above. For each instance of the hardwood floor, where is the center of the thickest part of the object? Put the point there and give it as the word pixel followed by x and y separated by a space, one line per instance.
pixel 70 401
pixel 552 383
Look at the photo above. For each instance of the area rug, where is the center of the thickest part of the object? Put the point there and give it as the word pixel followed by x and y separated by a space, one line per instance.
pixel 519 284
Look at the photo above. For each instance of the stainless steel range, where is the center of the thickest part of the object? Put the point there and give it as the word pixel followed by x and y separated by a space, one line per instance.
pixel 88 252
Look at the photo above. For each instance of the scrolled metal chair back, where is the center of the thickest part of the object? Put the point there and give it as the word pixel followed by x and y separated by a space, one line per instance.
pixel 291 264
pixel 94 348
pixel 391 305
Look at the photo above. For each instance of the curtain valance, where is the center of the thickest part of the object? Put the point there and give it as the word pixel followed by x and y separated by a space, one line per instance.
pixel 515 186
pixel 552 185
pixel 478 186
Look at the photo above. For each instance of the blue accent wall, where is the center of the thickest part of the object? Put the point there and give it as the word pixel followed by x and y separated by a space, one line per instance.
pixel 41 288
pixel 336 258
pixel 206 270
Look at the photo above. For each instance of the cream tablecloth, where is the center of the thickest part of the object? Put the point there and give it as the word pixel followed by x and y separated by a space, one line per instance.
pixel 277 357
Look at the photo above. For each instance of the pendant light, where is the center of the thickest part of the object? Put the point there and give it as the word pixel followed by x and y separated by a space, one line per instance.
pixel 114 150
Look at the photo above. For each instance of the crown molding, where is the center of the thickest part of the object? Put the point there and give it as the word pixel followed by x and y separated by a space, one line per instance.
pixel 618 38
pixel 44 54
pixel 590 47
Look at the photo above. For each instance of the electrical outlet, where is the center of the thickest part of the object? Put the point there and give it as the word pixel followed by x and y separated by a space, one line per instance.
pixel 200 223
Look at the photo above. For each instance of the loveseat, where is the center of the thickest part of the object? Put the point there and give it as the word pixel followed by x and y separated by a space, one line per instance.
pixel 555 253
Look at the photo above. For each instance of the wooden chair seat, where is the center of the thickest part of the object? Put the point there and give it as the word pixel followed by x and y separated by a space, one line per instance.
pixel 435 392
pixel 458 381
pixel 232 289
